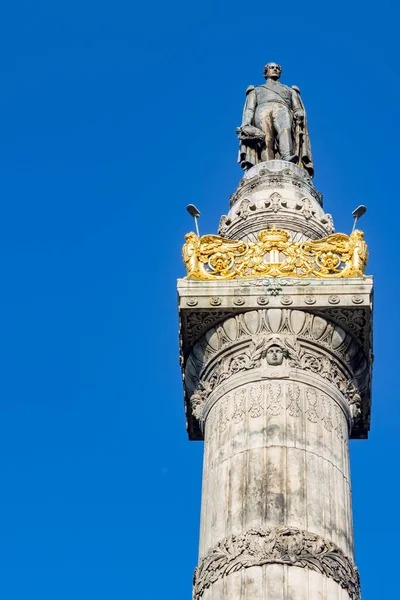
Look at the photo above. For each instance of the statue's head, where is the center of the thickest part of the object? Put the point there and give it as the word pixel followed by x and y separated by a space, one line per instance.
pixel 274 355
pixel 272 70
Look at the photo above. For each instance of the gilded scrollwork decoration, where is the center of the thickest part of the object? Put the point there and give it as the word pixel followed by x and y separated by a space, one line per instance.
pixel 212 257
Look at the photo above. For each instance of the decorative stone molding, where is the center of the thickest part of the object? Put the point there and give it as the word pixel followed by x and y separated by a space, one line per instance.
pixel 197 323
pixel 275 202
pixel 192 302
pixel 293 355
pixel 305 207
pixel 245 208
pixel 327 221
pixel 341 332
pixel 352 320
pixel 276 173
pixel 275 193
pixel 280 545
pixel 303 325
pixel 272 285
pixel 307 342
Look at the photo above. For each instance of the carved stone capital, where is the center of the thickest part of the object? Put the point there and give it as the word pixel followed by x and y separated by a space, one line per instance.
pixel 302 341
pixel 218 341
pixel 280 545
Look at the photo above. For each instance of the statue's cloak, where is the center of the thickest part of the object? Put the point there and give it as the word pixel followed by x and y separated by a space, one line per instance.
pixel 302 142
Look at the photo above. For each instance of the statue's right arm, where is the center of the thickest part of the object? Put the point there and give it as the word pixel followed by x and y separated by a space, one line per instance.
pixel 250 106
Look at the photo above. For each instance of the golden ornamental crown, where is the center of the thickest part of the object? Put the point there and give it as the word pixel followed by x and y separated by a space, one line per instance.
pixel 274 235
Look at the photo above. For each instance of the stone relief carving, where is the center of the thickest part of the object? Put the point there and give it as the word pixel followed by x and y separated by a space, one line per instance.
pixel 270 282
pixel 273 397
pixel 265 178
pixel 239 411
pixel 198 322
pixel 224 223
pixel 353 319
pixel 223 414
pixel 274 355
pixel 327 221
pixel 274 288
pixel 215 301
pixel 256 406
pixel 245 208
pixel 292 330
pixel 192 302
pixel 327 412
pixel 256 355
pixel 293 406
pixel 275 202
pixel 312 399
pixel 279 545
pixel 306 208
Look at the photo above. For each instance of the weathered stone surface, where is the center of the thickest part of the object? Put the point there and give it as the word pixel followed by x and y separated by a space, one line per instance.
pixel 335 315
pixel 276 193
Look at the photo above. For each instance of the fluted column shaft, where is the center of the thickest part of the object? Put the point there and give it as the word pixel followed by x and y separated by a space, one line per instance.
pixel 276 519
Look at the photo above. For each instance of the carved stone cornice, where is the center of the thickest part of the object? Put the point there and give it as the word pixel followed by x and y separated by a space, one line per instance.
pixel 280 545
pixel 324 316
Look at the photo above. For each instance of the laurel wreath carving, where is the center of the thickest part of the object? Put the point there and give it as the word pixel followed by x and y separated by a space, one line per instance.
pixel 280 545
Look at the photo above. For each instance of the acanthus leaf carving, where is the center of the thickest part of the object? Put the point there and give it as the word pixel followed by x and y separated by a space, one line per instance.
pixel 279 545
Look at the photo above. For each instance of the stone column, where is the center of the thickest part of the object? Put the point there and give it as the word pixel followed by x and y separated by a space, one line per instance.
pixel 276 516
pixel 276 392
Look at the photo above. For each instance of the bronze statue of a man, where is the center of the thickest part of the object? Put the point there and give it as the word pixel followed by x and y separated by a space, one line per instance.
pixel 274 124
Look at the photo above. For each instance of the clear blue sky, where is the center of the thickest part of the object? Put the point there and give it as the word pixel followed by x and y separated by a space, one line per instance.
pixel 113 117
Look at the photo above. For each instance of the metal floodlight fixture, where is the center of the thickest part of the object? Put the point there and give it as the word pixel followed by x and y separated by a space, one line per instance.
pixel 195 213
pixel 358 213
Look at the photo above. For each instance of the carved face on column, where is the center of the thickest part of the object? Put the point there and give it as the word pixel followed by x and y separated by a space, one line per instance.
pixel 274 356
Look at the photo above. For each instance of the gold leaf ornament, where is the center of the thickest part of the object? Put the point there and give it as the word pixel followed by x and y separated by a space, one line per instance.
pixel 212 257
